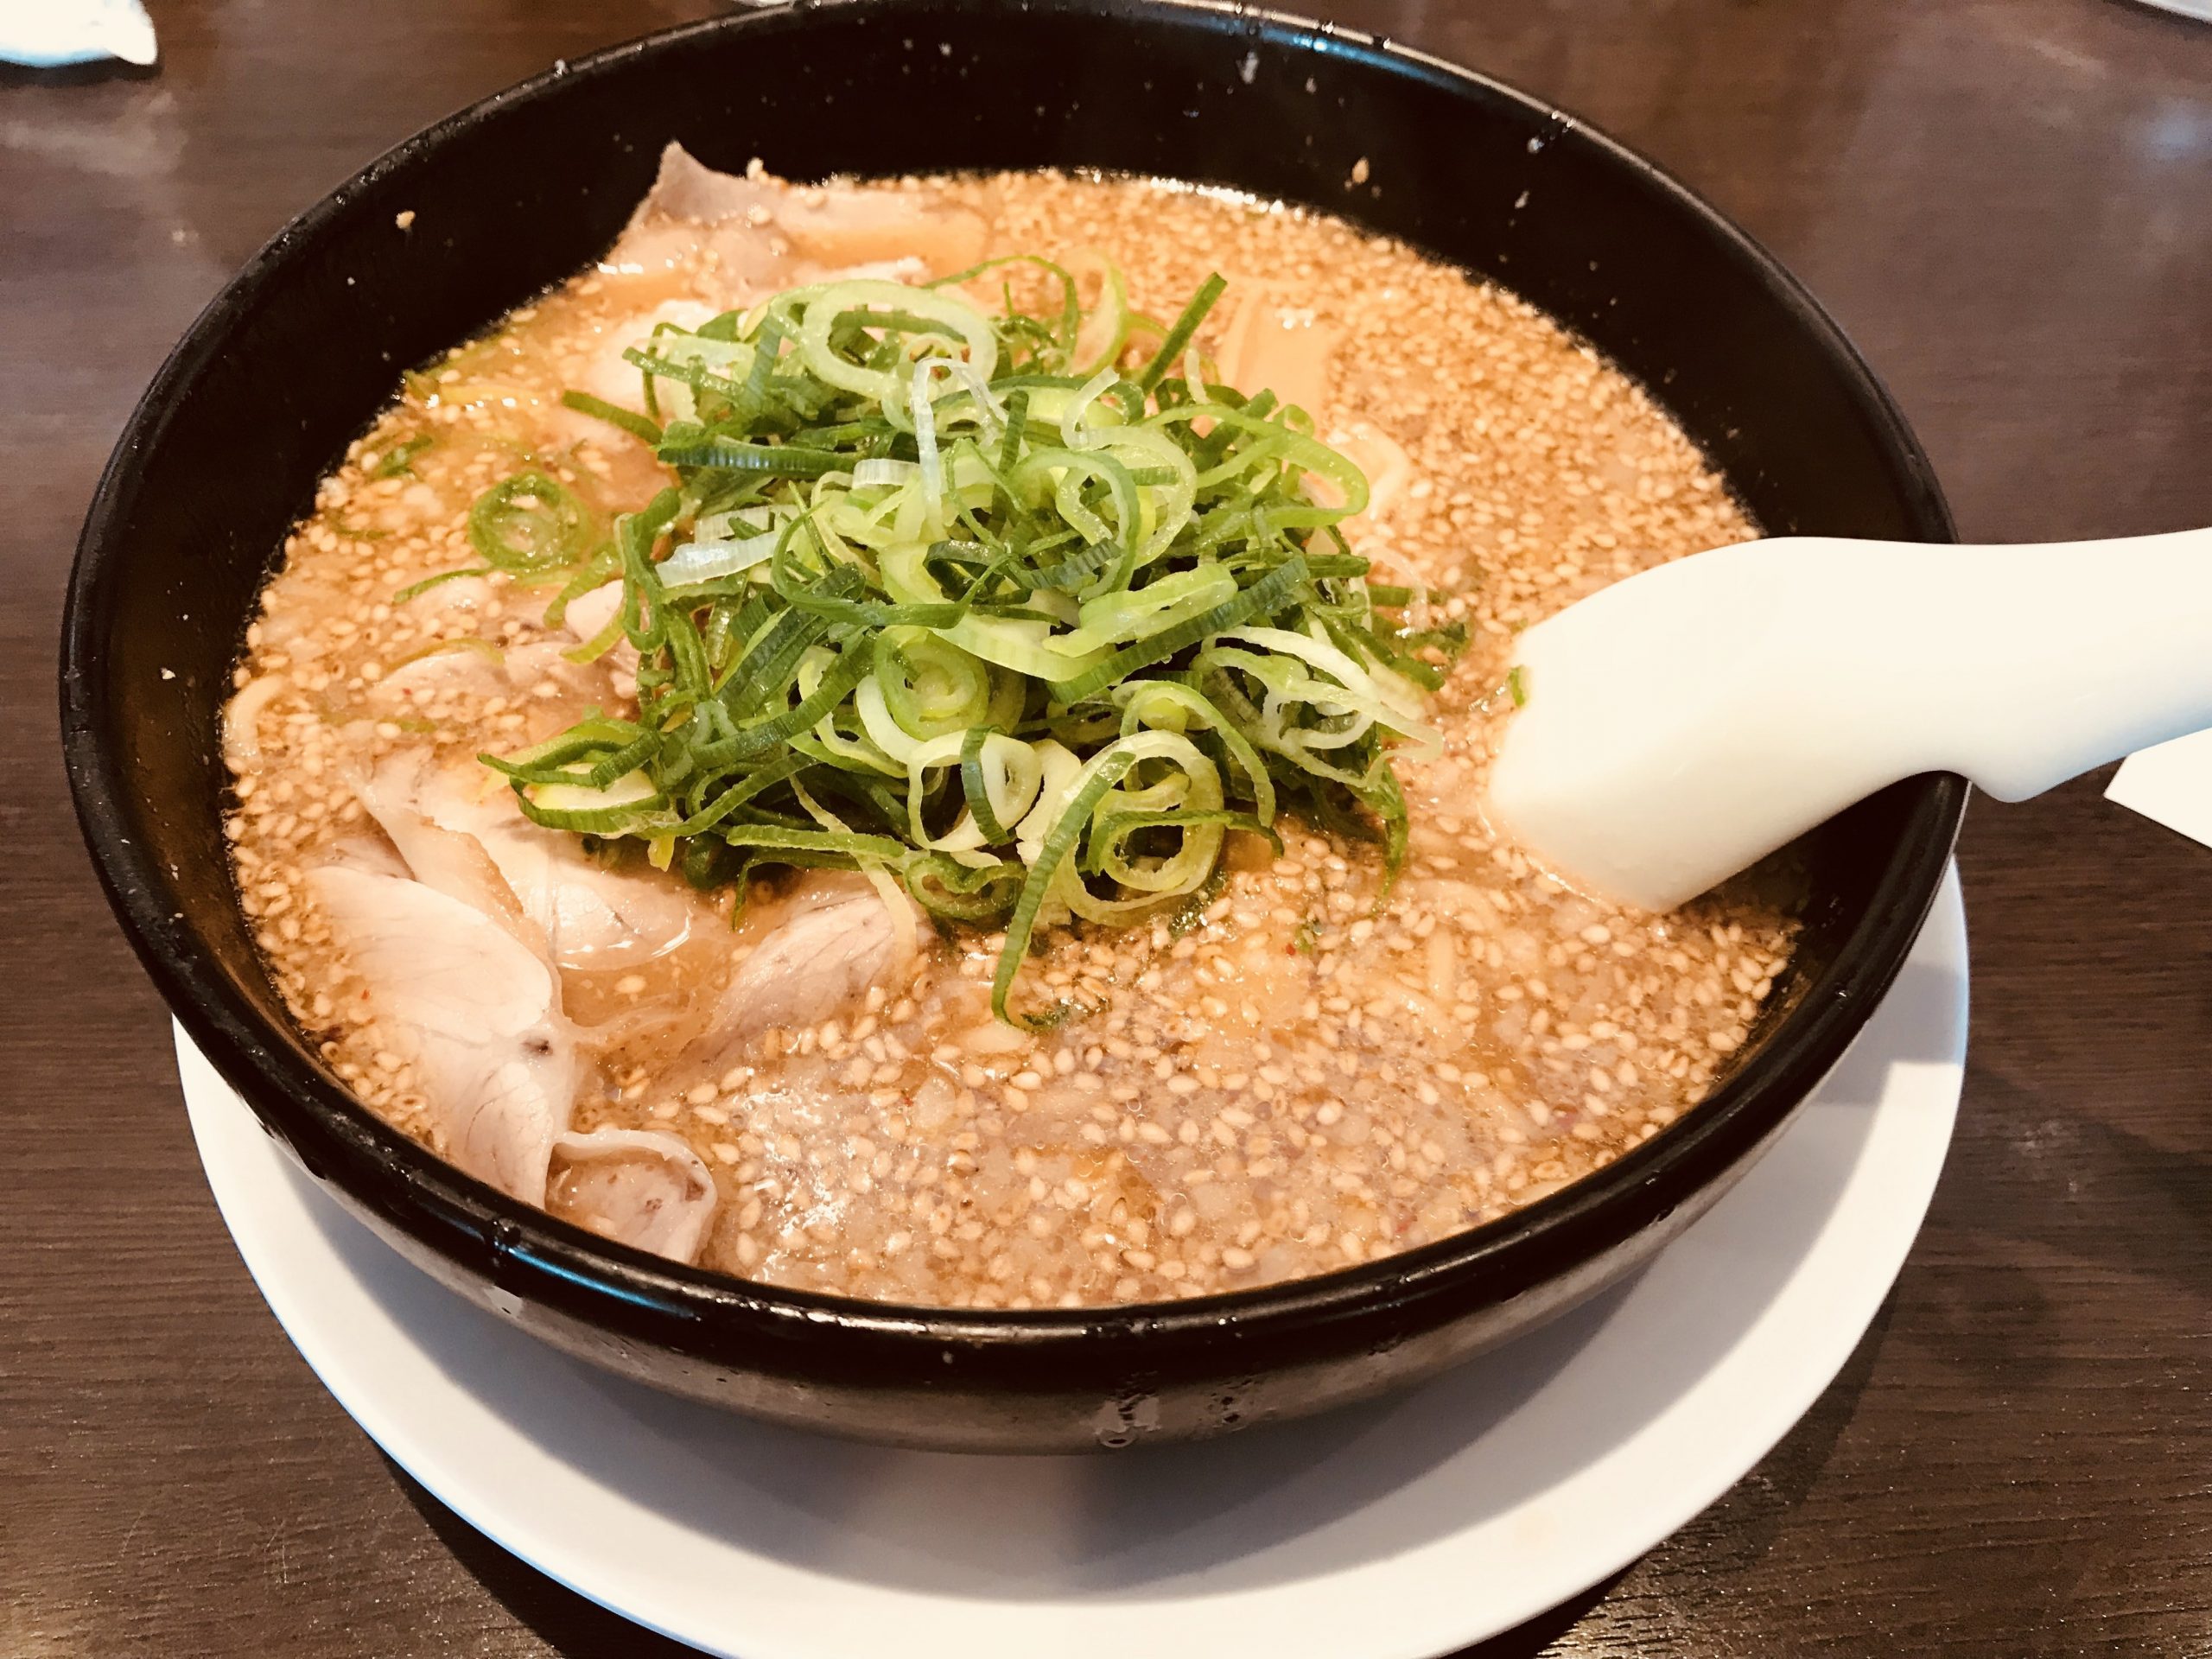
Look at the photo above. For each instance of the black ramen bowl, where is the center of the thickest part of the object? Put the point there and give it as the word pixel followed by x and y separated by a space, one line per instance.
pixel 514 194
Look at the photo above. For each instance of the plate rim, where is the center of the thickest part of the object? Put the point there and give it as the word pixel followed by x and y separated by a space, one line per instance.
pixel 1406 1637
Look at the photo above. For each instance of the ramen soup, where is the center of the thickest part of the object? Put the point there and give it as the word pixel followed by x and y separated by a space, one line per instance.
pixel 967 792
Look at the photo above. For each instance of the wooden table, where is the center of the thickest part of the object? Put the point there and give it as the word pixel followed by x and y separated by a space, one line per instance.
pixel 2009 205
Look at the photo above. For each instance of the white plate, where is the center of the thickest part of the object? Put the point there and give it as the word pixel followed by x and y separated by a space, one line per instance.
pixel 1403 1529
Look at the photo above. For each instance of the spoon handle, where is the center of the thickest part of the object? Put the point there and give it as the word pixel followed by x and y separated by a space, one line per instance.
pixel 2036 663
pixel 1683 723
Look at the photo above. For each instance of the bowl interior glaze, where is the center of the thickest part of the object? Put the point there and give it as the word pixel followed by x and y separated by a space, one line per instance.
pixel 294 357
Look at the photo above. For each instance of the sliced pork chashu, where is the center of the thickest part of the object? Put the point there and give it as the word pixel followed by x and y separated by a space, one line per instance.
pixel 465 981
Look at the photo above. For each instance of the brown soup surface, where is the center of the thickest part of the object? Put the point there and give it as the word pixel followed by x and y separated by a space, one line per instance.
pixel 1293 1079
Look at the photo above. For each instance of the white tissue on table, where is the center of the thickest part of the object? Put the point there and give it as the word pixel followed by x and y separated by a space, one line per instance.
pixel 46 33
pixel 2171 785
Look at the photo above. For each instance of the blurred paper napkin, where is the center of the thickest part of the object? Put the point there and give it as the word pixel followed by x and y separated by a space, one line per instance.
pixel 48 32
pixel 2170 785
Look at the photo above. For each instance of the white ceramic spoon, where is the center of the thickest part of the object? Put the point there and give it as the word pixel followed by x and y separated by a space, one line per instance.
pixel 1680 725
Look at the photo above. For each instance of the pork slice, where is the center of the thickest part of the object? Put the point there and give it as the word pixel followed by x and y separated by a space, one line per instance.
pixel 838 939
pixel 593 918
pixel 453 864
pixel 475 1011
pixel 1268 343
pixel 640 1188
pixel 609 376
pixel 760 234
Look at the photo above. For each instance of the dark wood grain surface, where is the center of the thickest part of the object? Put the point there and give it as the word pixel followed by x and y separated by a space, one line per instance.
pixel 2007 202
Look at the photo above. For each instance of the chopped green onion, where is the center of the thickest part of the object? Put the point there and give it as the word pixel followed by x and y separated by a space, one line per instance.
pixel 443 576
pixel 733 455
pixel 1178 336
pixel 397 461
pixel 954 601
pixel 528 524
pixel 614 414
pixel 1044 872
pixel 610 810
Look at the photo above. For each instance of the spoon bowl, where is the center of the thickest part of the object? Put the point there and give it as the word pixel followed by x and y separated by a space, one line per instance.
pixel 1679 726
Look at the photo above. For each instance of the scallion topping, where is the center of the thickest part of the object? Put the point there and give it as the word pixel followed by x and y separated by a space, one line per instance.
pixel 398 461
pixel 956 598
pixel 630 421
pixel 528 524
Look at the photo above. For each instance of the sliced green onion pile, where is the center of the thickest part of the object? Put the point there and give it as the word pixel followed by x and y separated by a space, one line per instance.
pixel 940 600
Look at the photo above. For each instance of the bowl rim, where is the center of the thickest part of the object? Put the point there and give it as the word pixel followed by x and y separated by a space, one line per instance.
pixel 398 1178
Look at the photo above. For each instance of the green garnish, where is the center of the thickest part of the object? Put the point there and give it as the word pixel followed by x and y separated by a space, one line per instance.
pixel 528 524
pixel 398 460
pixel 946 605
pixel 533 528
pixel 614 414
pixel 442 577
pixel 1516 686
